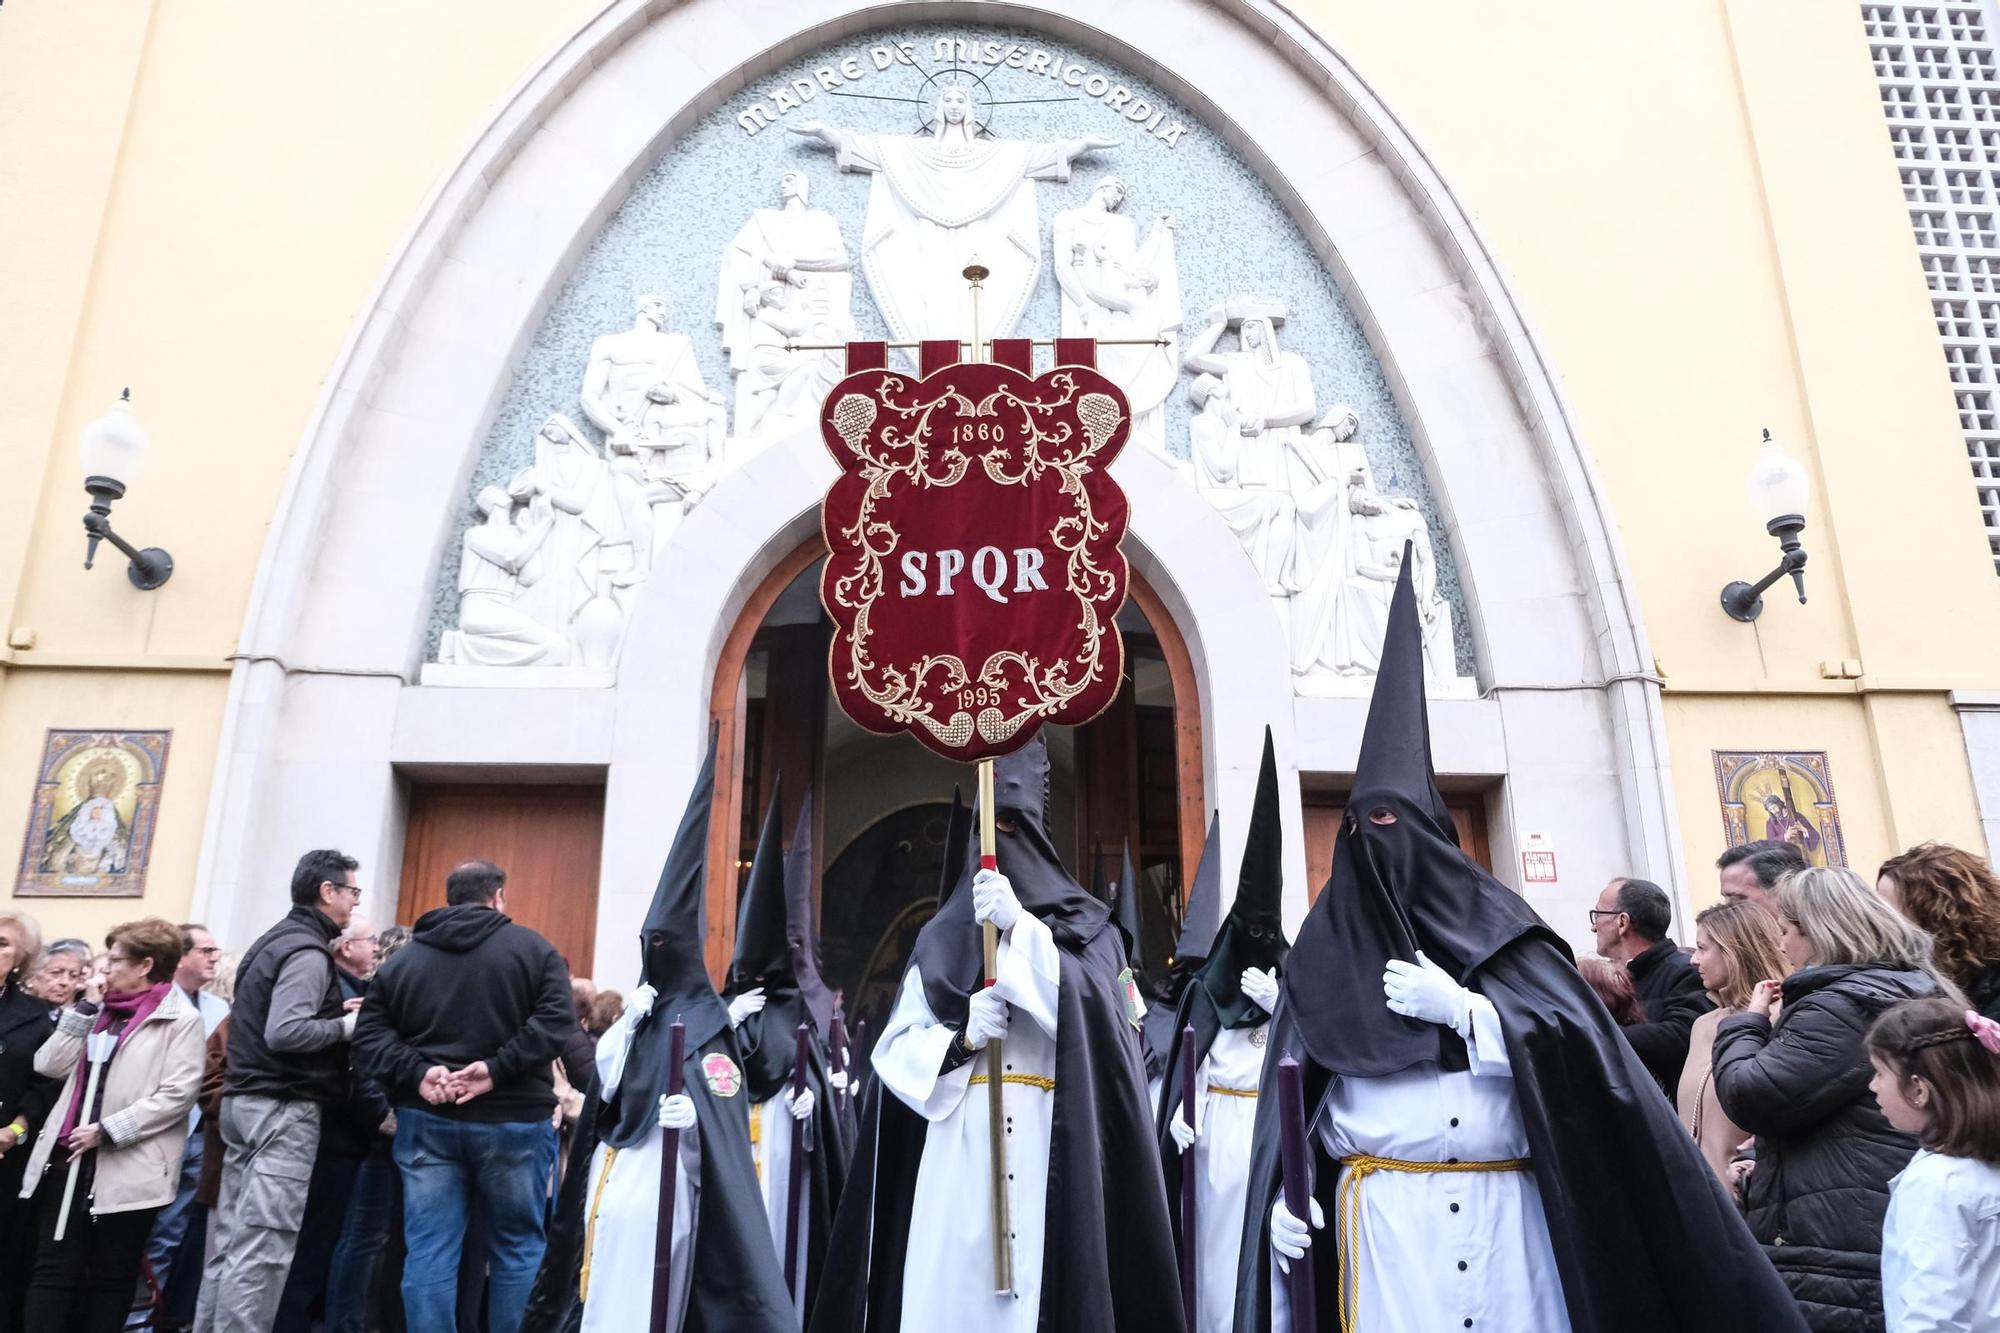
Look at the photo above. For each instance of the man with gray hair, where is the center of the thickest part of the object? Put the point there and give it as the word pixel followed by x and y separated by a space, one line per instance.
pixel 1749 872
pixel 1630 921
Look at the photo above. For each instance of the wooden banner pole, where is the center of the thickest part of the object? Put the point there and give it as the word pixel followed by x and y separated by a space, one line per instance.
pixel 996 1105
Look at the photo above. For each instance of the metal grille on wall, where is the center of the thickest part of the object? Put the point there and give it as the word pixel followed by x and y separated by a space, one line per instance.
pixel 1935 65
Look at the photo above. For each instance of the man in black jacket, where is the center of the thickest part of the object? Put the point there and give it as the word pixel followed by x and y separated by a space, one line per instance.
pixel 1630 921
pixel 461 1029
pixel 288 1033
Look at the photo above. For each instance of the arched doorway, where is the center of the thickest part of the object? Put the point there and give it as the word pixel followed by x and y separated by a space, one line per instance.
pixel 1132 776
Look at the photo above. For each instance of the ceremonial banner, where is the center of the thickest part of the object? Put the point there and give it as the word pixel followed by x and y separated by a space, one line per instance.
pixel 974 579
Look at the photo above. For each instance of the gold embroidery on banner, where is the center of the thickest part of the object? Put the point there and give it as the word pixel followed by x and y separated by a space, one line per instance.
pixel 903 451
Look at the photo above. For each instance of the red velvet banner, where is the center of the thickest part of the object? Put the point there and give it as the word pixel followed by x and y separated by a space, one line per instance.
pixel 974 579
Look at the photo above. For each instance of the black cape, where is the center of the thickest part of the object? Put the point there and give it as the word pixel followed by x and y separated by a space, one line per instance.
pixel 1251 936
pixel 1644 1238
pixel 1199 924
pixel 1107 1252
pixel 778 950
pixel 736 1281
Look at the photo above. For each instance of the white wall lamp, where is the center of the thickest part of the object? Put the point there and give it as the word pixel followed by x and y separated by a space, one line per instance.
pixel 113 449
pixel 1779 488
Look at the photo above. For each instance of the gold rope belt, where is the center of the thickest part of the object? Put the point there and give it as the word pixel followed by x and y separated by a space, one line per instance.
pixel 1042 1081
pixel 757 1140
pixel 590 1231
pixel 1232 1092
pixel 1360 1166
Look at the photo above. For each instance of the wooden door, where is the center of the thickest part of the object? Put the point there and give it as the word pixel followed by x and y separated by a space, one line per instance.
pixel 547 839
pixel 1322 819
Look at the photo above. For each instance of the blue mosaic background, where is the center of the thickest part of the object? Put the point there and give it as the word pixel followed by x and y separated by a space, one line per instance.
pixel 1232 239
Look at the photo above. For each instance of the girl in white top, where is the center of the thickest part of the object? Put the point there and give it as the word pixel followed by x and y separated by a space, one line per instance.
pixel 1937 1076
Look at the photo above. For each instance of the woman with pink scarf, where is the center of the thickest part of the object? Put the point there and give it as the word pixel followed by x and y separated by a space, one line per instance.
pixel 121 1134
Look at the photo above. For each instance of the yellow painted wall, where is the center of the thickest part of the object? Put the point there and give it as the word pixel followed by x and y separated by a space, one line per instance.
pixel 1694 200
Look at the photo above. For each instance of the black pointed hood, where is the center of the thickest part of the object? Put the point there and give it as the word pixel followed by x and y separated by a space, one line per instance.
pixel 1203 916
pixel 1126 906
pixel 763 951
pixel 1399 883
pixel 947 952
pixel 670 945
pixel 802 923
pixel 1253 934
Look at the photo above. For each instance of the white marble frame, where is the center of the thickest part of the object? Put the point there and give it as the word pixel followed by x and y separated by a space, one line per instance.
pixel 323 714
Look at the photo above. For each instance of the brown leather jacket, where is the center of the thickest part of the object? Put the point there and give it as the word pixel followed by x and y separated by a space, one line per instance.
pixel 208 1187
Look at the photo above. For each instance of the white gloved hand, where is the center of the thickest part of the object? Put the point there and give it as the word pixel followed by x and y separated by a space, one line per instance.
pixel 1182 1133
pixel 640 1001
pixel 677 1111
pixel 986 1018
pixel 1291 1238
pixel 748 1003
pixel 993 900
pixel 800 1106
pixel 1422 990
pixel 1260 984
pixel 837 1080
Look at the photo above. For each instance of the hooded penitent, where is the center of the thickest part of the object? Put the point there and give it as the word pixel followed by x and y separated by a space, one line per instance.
pixel 778 949
pixel 1252 935
pixel 735 1280
pixel 1644 1239
pixel 1107 1253
pixel 1199 923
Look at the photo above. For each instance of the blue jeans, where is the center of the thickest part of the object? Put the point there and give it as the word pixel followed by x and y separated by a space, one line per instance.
pixel 450 1168
pixel 362 1240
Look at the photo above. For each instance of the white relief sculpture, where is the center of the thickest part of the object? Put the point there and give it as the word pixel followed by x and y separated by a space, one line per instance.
pixel 1115 288
pixel 591 556
pixel 785 278
pixel 1348 558
pixel 499 558
pixel 625 365
pixel 941 199
pixel 1244 479
pixel 1326 543
pixel 670 456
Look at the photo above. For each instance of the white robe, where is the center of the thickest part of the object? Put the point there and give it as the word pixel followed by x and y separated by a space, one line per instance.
pixel 1437 1250
pixel 623 1214
pixel 771 1150
pixel 1220 1159
pixel 948 1267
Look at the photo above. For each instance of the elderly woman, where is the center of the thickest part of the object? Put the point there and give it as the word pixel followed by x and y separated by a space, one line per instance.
pixel 24 1095
pixel 1735 947
pixel 1955 896
pixel 58 978
pixel 122 1140
pixel 1792 1069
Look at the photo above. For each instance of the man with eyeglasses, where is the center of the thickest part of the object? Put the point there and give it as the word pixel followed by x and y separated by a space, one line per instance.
pixel 1630 923
pixel 288 1062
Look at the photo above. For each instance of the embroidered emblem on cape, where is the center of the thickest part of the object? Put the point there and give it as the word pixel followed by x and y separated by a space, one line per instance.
pixel 1128 988
pixel 721 1074
pixel 1258 1033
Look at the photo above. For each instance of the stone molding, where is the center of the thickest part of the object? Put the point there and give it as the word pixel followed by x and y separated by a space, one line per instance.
pixel 320 708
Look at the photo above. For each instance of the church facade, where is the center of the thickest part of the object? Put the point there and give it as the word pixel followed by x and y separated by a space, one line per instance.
pixel 487 504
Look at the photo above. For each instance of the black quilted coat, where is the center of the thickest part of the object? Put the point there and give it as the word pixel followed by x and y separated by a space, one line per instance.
pixel 1824 1152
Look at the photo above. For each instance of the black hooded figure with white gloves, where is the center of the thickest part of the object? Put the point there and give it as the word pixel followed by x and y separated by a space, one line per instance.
pixel 1492 1153
pixel 774 986
pixel 1199 921
pixel 597 1273
pixel 1228 1004
pixel 913 1243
